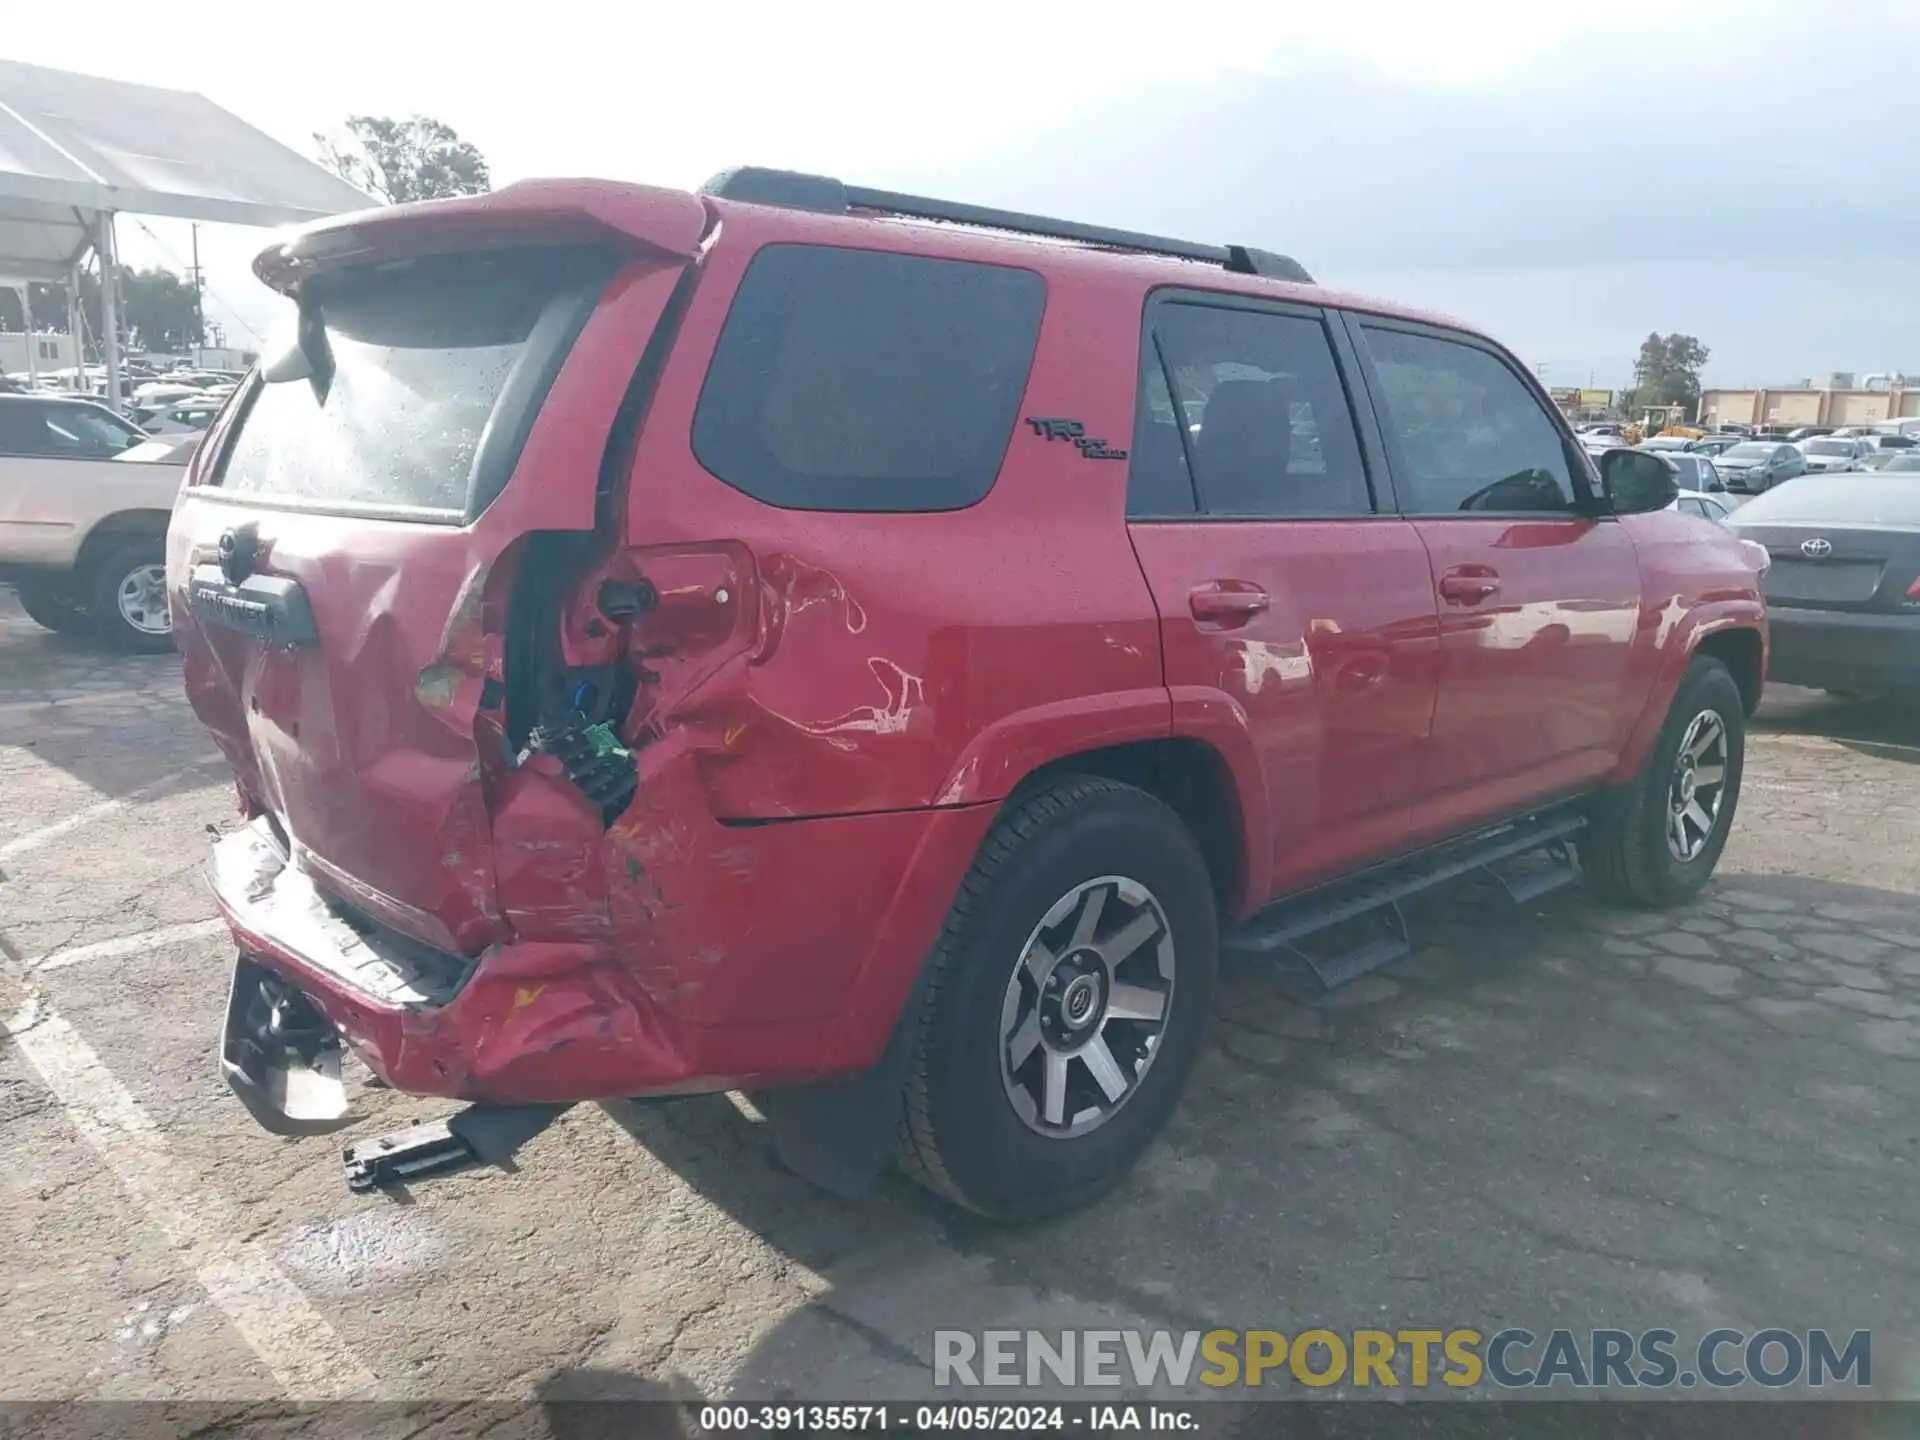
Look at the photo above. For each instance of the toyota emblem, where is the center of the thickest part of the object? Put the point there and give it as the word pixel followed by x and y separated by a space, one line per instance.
pixel 237 550
pixel 1816 548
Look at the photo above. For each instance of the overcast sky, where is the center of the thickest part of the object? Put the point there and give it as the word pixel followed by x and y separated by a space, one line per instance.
pixel 1569 176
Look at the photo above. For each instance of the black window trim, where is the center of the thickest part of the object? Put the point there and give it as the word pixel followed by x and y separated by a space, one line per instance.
pixel 1588 502
pixel 1373 464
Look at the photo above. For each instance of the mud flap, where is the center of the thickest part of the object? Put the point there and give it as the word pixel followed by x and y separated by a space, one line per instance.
pixel 839 1135
pixel 281 1057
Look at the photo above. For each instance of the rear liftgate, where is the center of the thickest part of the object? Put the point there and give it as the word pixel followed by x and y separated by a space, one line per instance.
pixel 299 615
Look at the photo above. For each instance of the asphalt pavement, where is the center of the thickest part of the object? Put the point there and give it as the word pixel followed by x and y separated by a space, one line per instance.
pixel 1549 1115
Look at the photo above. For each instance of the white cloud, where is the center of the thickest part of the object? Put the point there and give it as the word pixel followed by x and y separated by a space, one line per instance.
pixel 1080 108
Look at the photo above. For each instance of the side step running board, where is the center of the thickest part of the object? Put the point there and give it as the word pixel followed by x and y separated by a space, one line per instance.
pixel 1367 909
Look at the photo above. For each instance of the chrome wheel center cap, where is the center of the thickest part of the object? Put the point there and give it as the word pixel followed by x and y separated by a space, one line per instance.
pixel 1079 1001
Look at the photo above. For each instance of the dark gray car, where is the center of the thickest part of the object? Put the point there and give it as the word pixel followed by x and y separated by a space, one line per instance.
pixel 1753 466
pixel 1843 591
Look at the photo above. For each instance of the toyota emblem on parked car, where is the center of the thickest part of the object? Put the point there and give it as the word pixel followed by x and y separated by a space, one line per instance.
pixel 1817 548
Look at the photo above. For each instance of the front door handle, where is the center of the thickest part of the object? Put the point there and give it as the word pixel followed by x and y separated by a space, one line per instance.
pixel 1469 585
pixel 1226 602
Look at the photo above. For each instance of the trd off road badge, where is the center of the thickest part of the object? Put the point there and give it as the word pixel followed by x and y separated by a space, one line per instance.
pixel 1057 429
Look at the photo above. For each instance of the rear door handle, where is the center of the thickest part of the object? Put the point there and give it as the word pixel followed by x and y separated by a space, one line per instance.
pixel 1227 602
pixel 1469 585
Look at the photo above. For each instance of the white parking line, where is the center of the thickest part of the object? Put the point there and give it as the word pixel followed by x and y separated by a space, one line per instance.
pixel 128 944
pixel 34 839
pixel 307 1358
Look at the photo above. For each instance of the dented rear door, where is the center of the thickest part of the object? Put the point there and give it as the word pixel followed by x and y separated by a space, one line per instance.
pixel 343 560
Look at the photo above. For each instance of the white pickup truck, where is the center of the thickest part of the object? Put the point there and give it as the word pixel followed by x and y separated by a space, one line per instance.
pixel 84 503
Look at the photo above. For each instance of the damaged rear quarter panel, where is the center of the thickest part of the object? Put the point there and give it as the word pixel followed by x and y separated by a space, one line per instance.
pixel 889 641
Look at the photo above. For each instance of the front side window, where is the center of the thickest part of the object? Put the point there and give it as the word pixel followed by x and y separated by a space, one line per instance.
pixel 1469 435
pixel 863 380
pixel 1250 404
pixel 76 432
pixel 84 431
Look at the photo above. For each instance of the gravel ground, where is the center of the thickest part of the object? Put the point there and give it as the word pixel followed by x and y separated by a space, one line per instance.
pixel 1557 1115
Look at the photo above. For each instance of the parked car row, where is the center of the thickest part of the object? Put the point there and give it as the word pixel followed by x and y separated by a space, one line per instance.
pixel 179 402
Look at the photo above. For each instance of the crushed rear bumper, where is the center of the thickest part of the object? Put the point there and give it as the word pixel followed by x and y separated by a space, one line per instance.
pixel 559 1021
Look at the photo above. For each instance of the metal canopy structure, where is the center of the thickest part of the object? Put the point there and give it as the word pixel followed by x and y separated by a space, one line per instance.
pixel 76 149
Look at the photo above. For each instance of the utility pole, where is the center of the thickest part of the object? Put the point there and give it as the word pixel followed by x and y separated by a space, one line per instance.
pixel 109 257
pixel 77 327
pixel 199 316
pixel 33 341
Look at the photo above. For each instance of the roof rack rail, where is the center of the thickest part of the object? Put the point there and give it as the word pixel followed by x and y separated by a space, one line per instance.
pixel 791 190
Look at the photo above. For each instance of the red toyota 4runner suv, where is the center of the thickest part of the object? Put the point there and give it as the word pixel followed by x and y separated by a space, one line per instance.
pixel 878 654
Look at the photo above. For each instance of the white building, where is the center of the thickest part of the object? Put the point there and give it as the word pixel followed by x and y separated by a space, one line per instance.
pixel 44 350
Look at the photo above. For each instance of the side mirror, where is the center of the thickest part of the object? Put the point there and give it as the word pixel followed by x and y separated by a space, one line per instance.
pixel 1636 482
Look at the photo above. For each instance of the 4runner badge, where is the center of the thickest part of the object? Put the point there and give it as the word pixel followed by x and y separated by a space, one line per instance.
pixel 1058 429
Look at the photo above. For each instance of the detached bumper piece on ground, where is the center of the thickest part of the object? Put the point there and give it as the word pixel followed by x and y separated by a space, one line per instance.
pixel 478 1135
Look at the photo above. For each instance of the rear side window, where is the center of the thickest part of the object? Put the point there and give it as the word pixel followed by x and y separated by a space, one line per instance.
pixel 861 380
pixel 1254 411
pixel 438 366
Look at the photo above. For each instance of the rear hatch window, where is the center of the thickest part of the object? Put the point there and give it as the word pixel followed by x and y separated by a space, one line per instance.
pixel 426 375
pixel 862 380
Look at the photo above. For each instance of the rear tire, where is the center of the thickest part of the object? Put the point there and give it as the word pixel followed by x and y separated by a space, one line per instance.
pixel 1658 843
pixel 126 596
pixel 1078 961
pixel 51 602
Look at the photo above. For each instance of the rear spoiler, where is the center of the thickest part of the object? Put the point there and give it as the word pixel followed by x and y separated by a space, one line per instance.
pixel 529 212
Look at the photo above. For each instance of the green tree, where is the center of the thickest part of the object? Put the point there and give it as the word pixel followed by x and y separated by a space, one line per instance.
pixel 160 310
pixel 400 160
pixel 49 308
pixel 1667 371
pixel 157 310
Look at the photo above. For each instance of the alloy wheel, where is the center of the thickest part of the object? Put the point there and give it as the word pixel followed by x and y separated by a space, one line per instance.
pixel 1698 787
pixel 1086 1007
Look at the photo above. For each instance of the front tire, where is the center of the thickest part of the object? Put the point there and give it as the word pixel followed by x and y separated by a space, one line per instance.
pixel 1065 1004
pixel 1658 844
pixel 126 596
pixel 51 603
